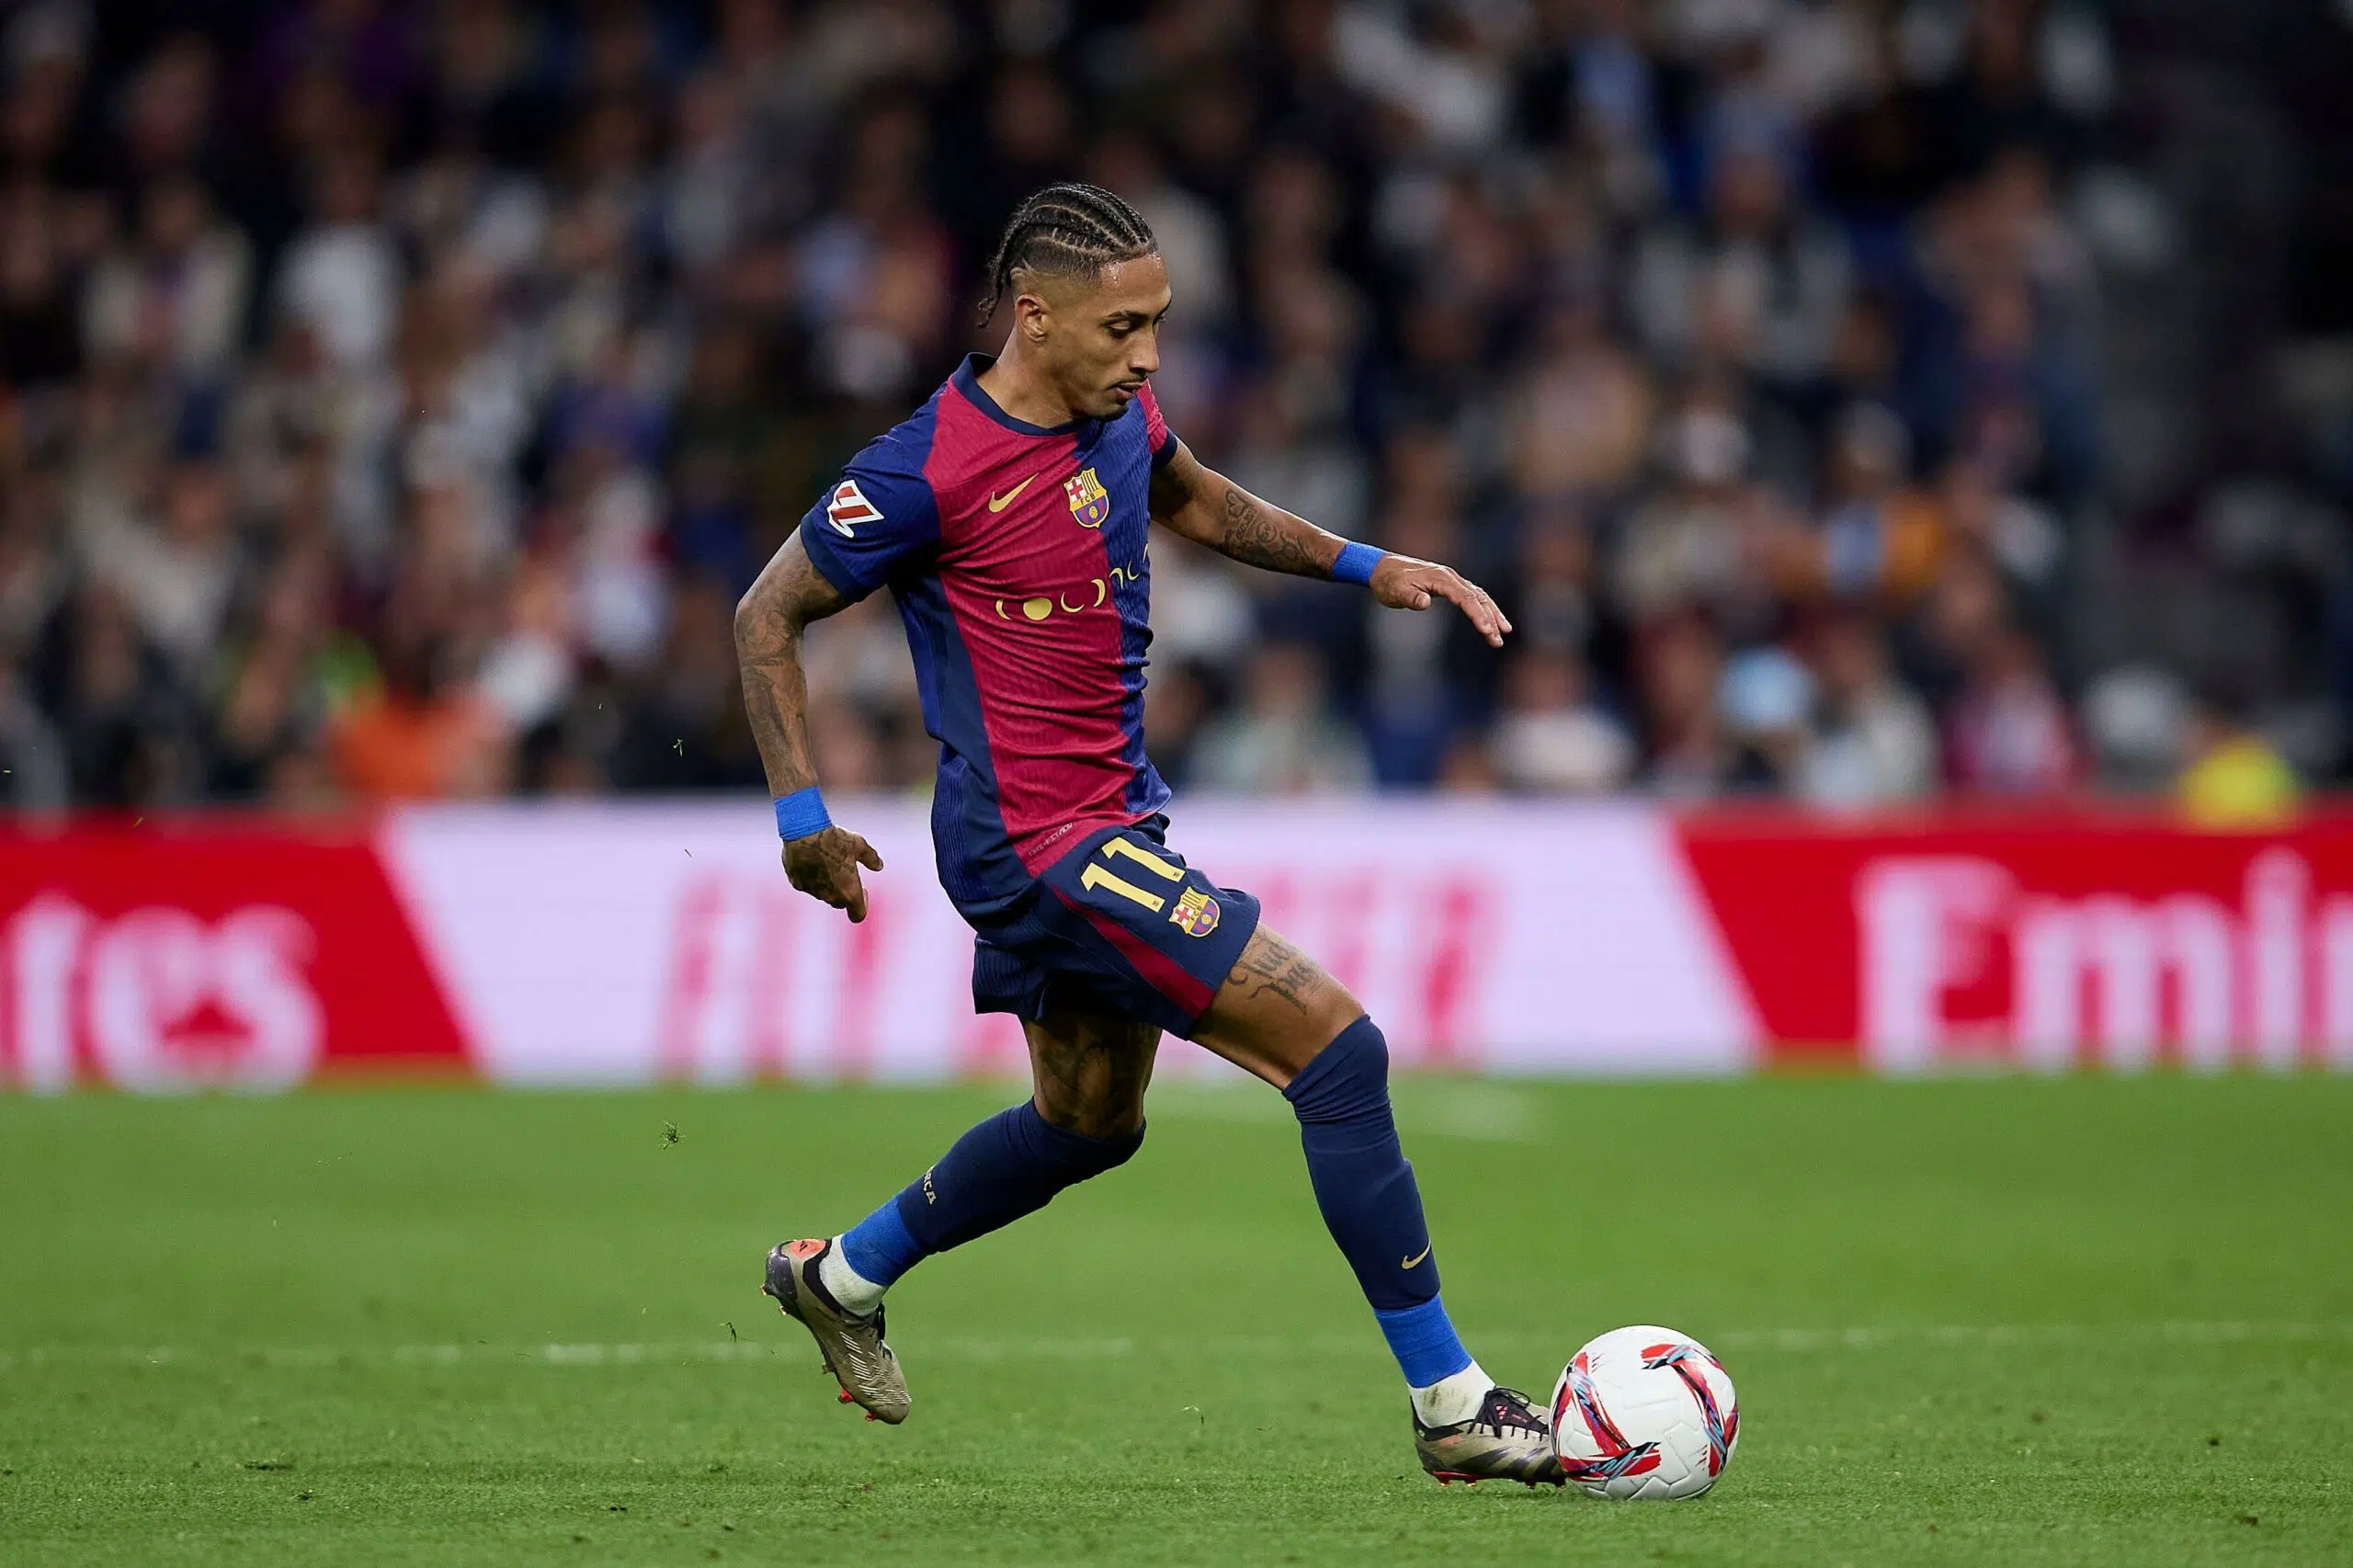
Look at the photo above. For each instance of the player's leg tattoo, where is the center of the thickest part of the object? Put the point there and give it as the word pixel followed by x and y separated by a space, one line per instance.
pixel 1091 1070
pixel 1277 1010
pixel 1272 967
pixel 1084 1118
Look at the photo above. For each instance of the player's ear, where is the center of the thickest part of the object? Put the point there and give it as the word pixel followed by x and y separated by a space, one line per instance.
pixel 1030 317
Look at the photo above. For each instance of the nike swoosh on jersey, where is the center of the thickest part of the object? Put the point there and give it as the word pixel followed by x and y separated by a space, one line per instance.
pixel 1412 1262
pixel 999 502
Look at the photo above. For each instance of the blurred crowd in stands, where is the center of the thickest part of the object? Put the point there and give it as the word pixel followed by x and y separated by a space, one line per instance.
pixel 396 397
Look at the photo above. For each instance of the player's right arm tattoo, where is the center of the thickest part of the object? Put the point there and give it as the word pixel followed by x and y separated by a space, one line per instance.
pixel 1272 966
pixel 789 594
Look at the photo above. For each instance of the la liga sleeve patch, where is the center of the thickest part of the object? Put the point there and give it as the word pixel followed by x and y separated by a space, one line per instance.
pixel 847 507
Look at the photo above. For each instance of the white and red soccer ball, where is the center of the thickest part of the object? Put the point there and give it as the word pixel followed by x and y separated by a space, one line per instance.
pixel 1645 1412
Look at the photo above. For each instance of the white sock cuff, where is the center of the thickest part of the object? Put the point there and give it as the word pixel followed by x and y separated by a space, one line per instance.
pixel 1453 1398
pixel 853 1290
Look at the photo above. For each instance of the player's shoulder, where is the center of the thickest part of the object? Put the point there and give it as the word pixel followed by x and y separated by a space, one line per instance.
pixel 900 453
pixel 886 481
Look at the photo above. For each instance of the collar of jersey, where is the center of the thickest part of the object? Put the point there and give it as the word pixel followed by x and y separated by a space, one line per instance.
pixel 968 381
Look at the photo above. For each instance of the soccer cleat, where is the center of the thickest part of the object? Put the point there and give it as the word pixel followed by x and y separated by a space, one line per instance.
pixel 1509 1439
pixel 860 1359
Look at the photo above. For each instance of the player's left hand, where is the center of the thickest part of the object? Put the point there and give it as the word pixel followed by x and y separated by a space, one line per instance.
pixel 1402 583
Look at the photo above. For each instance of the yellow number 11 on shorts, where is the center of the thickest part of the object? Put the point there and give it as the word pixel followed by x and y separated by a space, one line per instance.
pixel 1095 876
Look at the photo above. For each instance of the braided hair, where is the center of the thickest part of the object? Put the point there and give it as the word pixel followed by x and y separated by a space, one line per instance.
pixel 1065 228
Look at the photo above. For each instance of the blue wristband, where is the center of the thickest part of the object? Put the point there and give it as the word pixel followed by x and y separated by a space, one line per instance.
pixel 1356 563
pixel 802 813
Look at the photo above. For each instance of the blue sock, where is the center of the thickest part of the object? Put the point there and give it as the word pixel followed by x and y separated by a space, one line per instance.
pixel 1366 1189
pixel 1423 1342
pixel 1009 1166
pixel 879 1247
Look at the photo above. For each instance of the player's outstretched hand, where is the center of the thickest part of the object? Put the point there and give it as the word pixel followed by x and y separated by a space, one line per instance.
pixel 825 866
pixel 1402 583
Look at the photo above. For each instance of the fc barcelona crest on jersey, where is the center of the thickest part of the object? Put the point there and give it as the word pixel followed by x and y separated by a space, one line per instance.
pixel 1089 503
pixel 1196 913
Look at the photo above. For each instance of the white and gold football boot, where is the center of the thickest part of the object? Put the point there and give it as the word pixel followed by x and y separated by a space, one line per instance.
pixel 1508 1437
pixel 860 1359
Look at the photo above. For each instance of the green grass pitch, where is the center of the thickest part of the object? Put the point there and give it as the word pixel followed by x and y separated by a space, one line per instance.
pixel 2076 1321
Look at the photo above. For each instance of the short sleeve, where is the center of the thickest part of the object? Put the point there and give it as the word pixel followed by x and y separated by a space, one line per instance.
pixel 879 515
pixel 1156 433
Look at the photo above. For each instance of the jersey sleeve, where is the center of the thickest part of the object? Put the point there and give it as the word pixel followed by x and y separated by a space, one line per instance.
pixel 1156 433
pixel 879 517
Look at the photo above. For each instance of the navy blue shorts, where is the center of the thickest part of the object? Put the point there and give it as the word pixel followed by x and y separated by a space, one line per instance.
pixel 1120 925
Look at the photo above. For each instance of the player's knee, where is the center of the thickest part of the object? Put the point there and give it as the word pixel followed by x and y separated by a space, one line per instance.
pixel 1105 1127
pixel 1095 1119
pixel 1348 1078
pixel 1099 1115
pixel 1330 1010
pixel 1091 1139
pixel 1334 1009
pixel 1119 1149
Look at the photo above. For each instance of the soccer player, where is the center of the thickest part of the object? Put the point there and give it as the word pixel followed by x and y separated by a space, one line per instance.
pixel 1008 518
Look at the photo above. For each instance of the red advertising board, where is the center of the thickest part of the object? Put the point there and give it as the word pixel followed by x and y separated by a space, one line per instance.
pixel 2043 940
pixel 163 957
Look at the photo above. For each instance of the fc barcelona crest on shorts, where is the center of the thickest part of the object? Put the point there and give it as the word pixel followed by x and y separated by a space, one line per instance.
pixel 1195 914
pixel 1090 506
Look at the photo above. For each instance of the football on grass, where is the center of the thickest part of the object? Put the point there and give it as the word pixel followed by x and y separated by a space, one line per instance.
pixel 1645 1412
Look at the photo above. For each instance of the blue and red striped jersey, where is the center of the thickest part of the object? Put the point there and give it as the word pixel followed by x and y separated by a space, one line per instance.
pixel 1016 552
